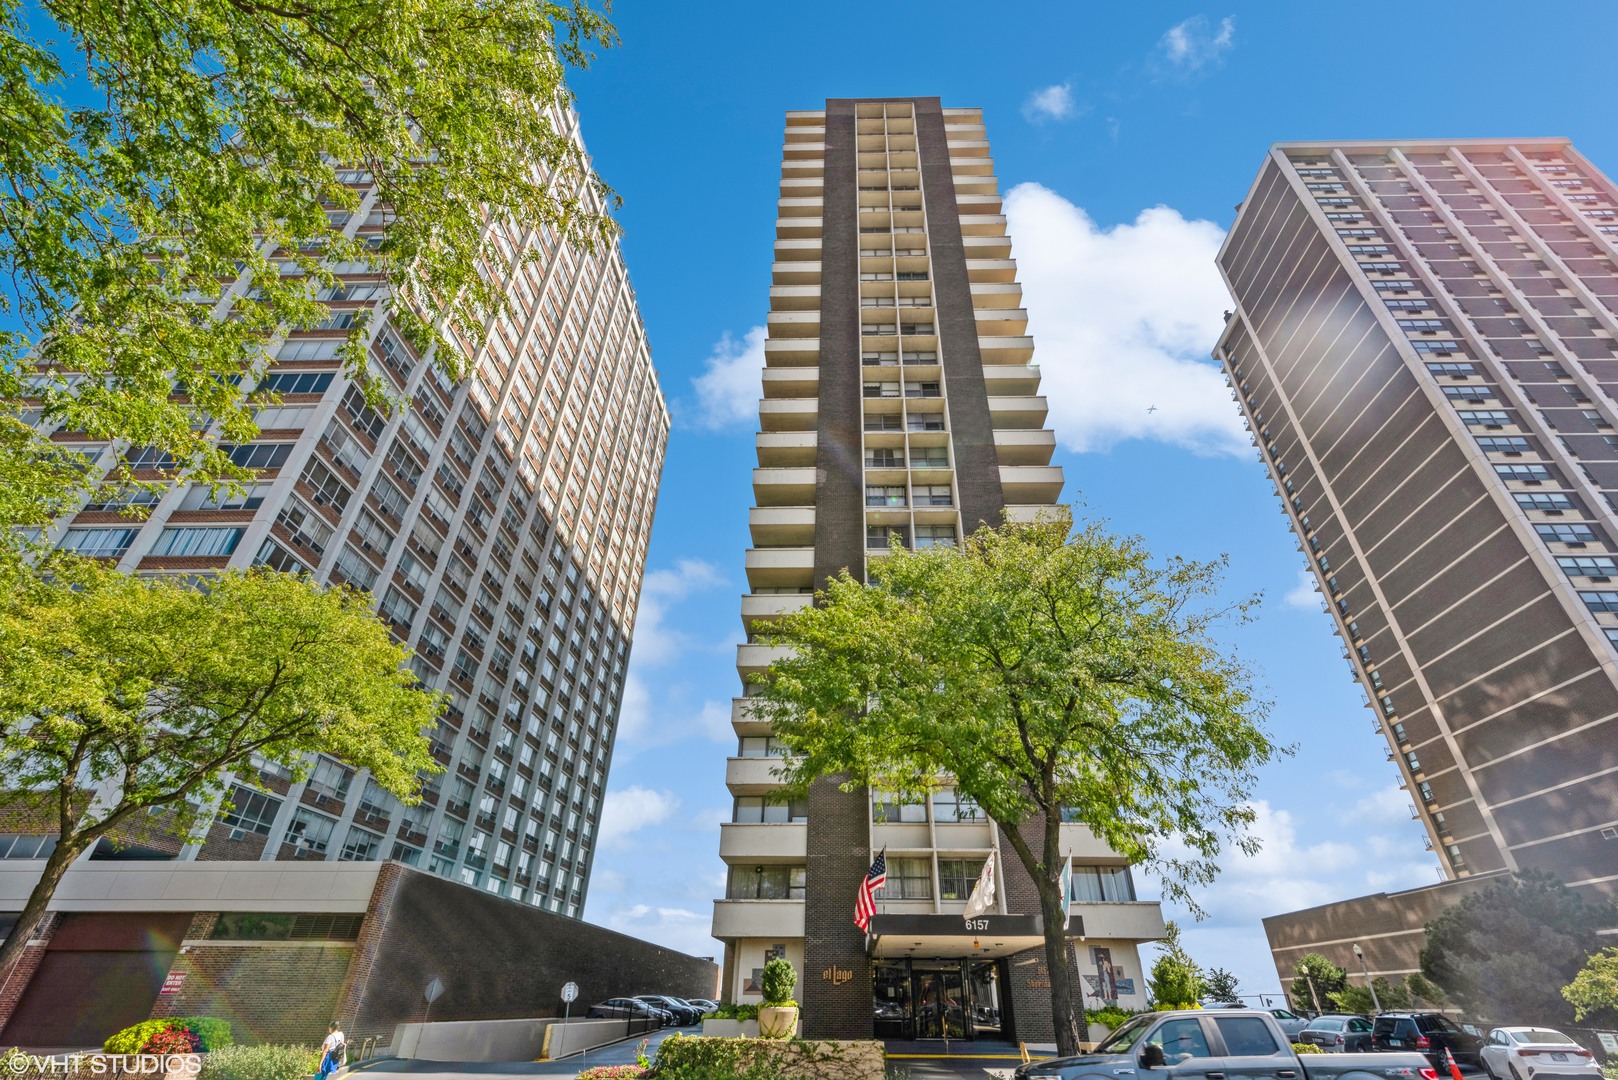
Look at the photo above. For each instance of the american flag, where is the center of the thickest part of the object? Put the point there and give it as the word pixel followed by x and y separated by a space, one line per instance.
pixel 875 878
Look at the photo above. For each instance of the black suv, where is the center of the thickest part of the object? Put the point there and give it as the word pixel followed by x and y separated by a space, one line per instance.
pixel 1426 1033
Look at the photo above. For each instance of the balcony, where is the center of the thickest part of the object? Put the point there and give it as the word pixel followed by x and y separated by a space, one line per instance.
pixel 782 526
pixel 991 271
pixel 996 295
pixel 1001 322
pixel 983 224
pixel 789 351
pixel 784 487
pixel 1140 920
pixel 799 187
pixel 982 203
pixel 785 449
pixel 796 250
pixel 1009 380
pixel 1024 447
pixel 780 568
pixel 771 919
pixel 794 414
pixel 753 660
pixel 797 228
pixel 1031 484
pixel 801 150
pixel 743 720
pixel 987 247
pixel 797 382
pixel 797 272
pixel 795 298
pixel 1006 349
pixel 752 775
pixel 747 843
pixel 796 206
pixel 1018 412
pixel 764 606
pixel 794 324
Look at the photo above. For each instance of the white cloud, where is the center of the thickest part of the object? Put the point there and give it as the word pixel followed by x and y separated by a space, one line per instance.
pixel 655 642
pixel 672 927
pixel 628 810
pixel 1305 595
pixel 1052 103
pixel 729 387
pixel 1125 318
pixel 1194 44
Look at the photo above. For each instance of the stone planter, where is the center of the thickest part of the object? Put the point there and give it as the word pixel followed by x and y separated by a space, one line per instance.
pixel 730 1029
pixel 1097 1032
pixel 777 1021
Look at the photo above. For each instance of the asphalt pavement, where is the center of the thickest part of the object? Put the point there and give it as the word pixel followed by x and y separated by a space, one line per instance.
pixel 619 1053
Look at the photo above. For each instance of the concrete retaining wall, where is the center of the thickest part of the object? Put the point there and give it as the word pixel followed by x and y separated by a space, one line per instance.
pixel 570 1038
pixel 471 1040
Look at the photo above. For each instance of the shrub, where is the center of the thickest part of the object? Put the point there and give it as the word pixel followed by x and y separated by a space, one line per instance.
pixel 1109 1016
pixel 133 1039
pixel 171 1040
pixel 260 1063
pixel 778 980
pixel 1306 1048
pixel 693 1057
pixel 733 1012
pixel 206 1033
pixel 613 1072
pixel 212 1033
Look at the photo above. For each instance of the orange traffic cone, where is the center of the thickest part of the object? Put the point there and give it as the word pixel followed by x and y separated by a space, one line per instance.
pixel 1454 1069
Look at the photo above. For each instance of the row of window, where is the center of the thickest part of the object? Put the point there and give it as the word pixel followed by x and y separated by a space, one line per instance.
pixel 912 879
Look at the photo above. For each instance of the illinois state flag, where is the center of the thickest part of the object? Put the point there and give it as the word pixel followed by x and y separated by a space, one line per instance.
pixel 982 898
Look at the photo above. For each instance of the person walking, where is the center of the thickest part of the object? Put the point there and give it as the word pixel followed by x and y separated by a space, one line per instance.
pixel 333 1052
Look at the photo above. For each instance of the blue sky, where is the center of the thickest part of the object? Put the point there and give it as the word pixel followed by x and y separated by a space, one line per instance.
pixel 1124 134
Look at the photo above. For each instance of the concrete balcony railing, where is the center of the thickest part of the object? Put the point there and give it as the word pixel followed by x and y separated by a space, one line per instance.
pixel 796 272
pixel 991 271
pixel 803 381
pixel 794 250
pixel 1006 349
pixel 986 295
pixel 744 843
pixel 986 247
pixel 795 298
pixel 983 224
pixel 802 186
pixel 1018 412
pixel 771 919
pixel 765 606
pixel 743 719
pixel 1009 380
pixel 752 775
pixel 977 203
pixel 970 166
pixel 1031 484
pixel 1001 322
pixel 795 414
pixel 1023 447
pixel 1140 920
pixel 782 526
pixel 788 449
pixel 783 487
pixel 797 228
pixel 753 660
pixel 968 148
pixel 780 568
pixel 792 351
pixel 795 151
pixel 1026 515
pixel 800 206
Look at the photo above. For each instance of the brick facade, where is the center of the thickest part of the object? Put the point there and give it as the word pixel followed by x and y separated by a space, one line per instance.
pixel 15 980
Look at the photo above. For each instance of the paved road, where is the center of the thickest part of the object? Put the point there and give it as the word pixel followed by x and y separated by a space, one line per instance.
pixel 621 1053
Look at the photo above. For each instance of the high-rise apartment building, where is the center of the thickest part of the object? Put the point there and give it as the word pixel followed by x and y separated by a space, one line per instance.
pixel 1425 345
pixel 501 525
pixel 900 400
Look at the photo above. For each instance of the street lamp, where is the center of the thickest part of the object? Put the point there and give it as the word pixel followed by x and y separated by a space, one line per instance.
pixel 1359 955
pixel 1310 979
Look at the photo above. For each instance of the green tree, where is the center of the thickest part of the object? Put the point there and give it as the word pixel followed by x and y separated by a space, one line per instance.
pixel 1317 980
pixel 1423 990
pixel 123 696
pixel 1595 988
pixel 1357 997
pixel 1056 675
pixel 1221 987
pixel 1176 981
pixel 1507 950
pixel 215 137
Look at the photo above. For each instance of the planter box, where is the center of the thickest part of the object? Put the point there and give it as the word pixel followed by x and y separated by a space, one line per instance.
pixel 730 1029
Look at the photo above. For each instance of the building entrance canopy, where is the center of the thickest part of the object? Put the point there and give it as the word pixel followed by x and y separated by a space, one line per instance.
pixel 951 935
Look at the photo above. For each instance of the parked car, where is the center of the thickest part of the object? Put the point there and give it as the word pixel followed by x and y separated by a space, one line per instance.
pixel 683 1013
pixel 704 1004
pixel 1289 1021
pixel 1426 1033
pixel 1337 1034
pixel 627 1009
pixel 1246 1043
pixel 1521 1053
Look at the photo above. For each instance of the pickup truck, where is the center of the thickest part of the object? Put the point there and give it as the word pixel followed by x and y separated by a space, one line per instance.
pixel 1218 1044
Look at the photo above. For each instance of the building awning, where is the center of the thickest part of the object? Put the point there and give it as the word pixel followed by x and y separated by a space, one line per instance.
pixel 952 935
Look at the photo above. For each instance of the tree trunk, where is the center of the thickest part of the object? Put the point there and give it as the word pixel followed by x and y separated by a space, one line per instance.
pixel 34 910
pixel 1063 1016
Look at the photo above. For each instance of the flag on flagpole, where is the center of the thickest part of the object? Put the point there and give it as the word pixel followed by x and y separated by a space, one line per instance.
pixel 982 898
pixel 875 878
pixel 1066 880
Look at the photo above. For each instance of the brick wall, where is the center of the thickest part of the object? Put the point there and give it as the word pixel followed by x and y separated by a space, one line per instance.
pixel 271 992
pixel 497 958
pixel 15 980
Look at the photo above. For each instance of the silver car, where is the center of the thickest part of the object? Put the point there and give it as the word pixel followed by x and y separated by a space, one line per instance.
pixel 1523 1053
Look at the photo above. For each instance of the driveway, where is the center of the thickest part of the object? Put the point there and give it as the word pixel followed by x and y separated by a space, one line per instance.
pixel 620 1053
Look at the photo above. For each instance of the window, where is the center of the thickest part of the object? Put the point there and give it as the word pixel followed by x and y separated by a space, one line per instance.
pixel 1437 347
pixel 881 537
pixel 1469 393
pixel 1566 534
pixel 1183 1040
pixel 889 808
pixel 259 455
pixel 951 806
pixel 306 527
pixel 1510 444
pixel 910 879
pixel 1527 474
pixel 1600 602
pixel 1422 326
pixel 1484 418
pixel 956 878
pixel 1553 502
pixel 298 382
pixel 767 882
pixel 762 746
pixel 1453 370
pixel 360 846
pixel 97 543
pixel 934 495
pixel 330 779
pixel 755 809
pixel 935 536
pixel 880 389
pixel 251 811
pixel 1246 1036
pixel 1102 884
pixel 310 831
pixel 1592 566
pixel 205 542
pixel 16 846
pixel 884 495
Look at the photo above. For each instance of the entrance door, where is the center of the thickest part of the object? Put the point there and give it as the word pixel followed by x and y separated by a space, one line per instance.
pixel 987 1018
pixel 940 999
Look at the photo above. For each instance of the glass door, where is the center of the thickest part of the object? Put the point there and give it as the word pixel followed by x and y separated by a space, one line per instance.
pixel 986 1016
pixel 940 1000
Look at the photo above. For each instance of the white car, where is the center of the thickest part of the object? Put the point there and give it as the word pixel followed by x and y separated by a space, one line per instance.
pixel 1522 1053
